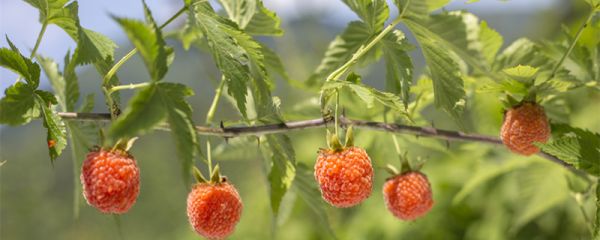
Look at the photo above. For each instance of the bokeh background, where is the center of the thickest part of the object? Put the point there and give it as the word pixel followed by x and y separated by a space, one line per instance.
pixel 480 192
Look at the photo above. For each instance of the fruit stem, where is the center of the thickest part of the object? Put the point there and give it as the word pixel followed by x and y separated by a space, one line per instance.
pixel 209 157
pixel 213 107
pixel 337 116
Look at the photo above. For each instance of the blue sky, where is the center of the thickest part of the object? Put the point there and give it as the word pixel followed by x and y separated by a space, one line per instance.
pixel 18 20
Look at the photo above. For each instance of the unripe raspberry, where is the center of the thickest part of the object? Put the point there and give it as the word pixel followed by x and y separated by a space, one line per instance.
pixel 524 125
pixel 111 180
pixel 408 196
pixel 345 177
pixel 214 209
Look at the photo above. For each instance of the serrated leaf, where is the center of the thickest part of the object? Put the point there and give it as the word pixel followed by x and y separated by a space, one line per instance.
pixel 143 113
pixel 91 46
pixel 306 187
pixel 240 11
pixel 231 58
pixel 491 41
pixel 373 12
pixel 264 22
pixel 341 50
pixel 521 71
pixel 65 87
pixel 283 168
pixel 273 62
pixel 368 94
pixel 153 104
pixel 18 106
pixel 419 9
pixel 14 61
pixel 398 65
pixel 448 86
pixel 578 147
pixel 520 52
pixel 147 38
pixel 57 133
pixel 179 116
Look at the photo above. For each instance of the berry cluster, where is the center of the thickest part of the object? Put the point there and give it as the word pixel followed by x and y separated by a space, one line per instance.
pixel 345 177
pixel 111 178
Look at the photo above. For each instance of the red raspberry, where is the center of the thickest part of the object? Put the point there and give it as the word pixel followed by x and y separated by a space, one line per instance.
pixel 214 209
pixel 111 180
pixel 523 125
pixel 345 177
pixel 408 196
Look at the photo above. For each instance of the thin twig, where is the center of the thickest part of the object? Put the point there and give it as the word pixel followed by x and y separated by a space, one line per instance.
pixel 239 131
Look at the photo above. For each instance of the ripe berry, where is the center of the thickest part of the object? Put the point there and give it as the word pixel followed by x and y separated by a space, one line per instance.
pixel 408 195
pixel 345 176
pixel 524 125
pixel 111 180
pixel 214 209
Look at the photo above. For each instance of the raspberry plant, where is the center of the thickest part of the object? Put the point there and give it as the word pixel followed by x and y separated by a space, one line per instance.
pixel 464 62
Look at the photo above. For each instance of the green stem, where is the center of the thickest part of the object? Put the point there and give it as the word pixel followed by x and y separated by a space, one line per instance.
pixel 213 107
pixel 39 39
pixel 570 49
pixel 128 86
pixel 37 44
pixel 209 158
pixel 364 49
pixel 337 115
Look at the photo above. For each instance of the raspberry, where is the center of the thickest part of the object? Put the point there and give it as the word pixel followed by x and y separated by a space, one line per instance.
pixel 345 177
pixel 111 180
pixel 214 209
pixel 408 196
pixel 523 125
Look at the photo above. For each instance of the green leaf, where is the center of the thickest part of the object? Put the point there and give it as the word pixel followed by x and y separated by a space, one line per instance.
pixel 398 65
pixel 143 113
pixel 491 41
pixel 283 168
pixel 147 38
pixel 273 62
pixel 419 9
pixel 341 49
pixel 149 107
pixel 253 17
pixel 91 46
pixel 521 52
pixel 521 71
pixel 373 12
pixel 578 147
pixel 49 9
pixel 368 94
pixel 264 22
pixel 65 88
pixel 597 222
pixel 179 116
pixel 57 133
pixel 230 57
pixel 18 105
pixel 14 61
pixel 306 187
pixel 240 11
pixel 448 86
